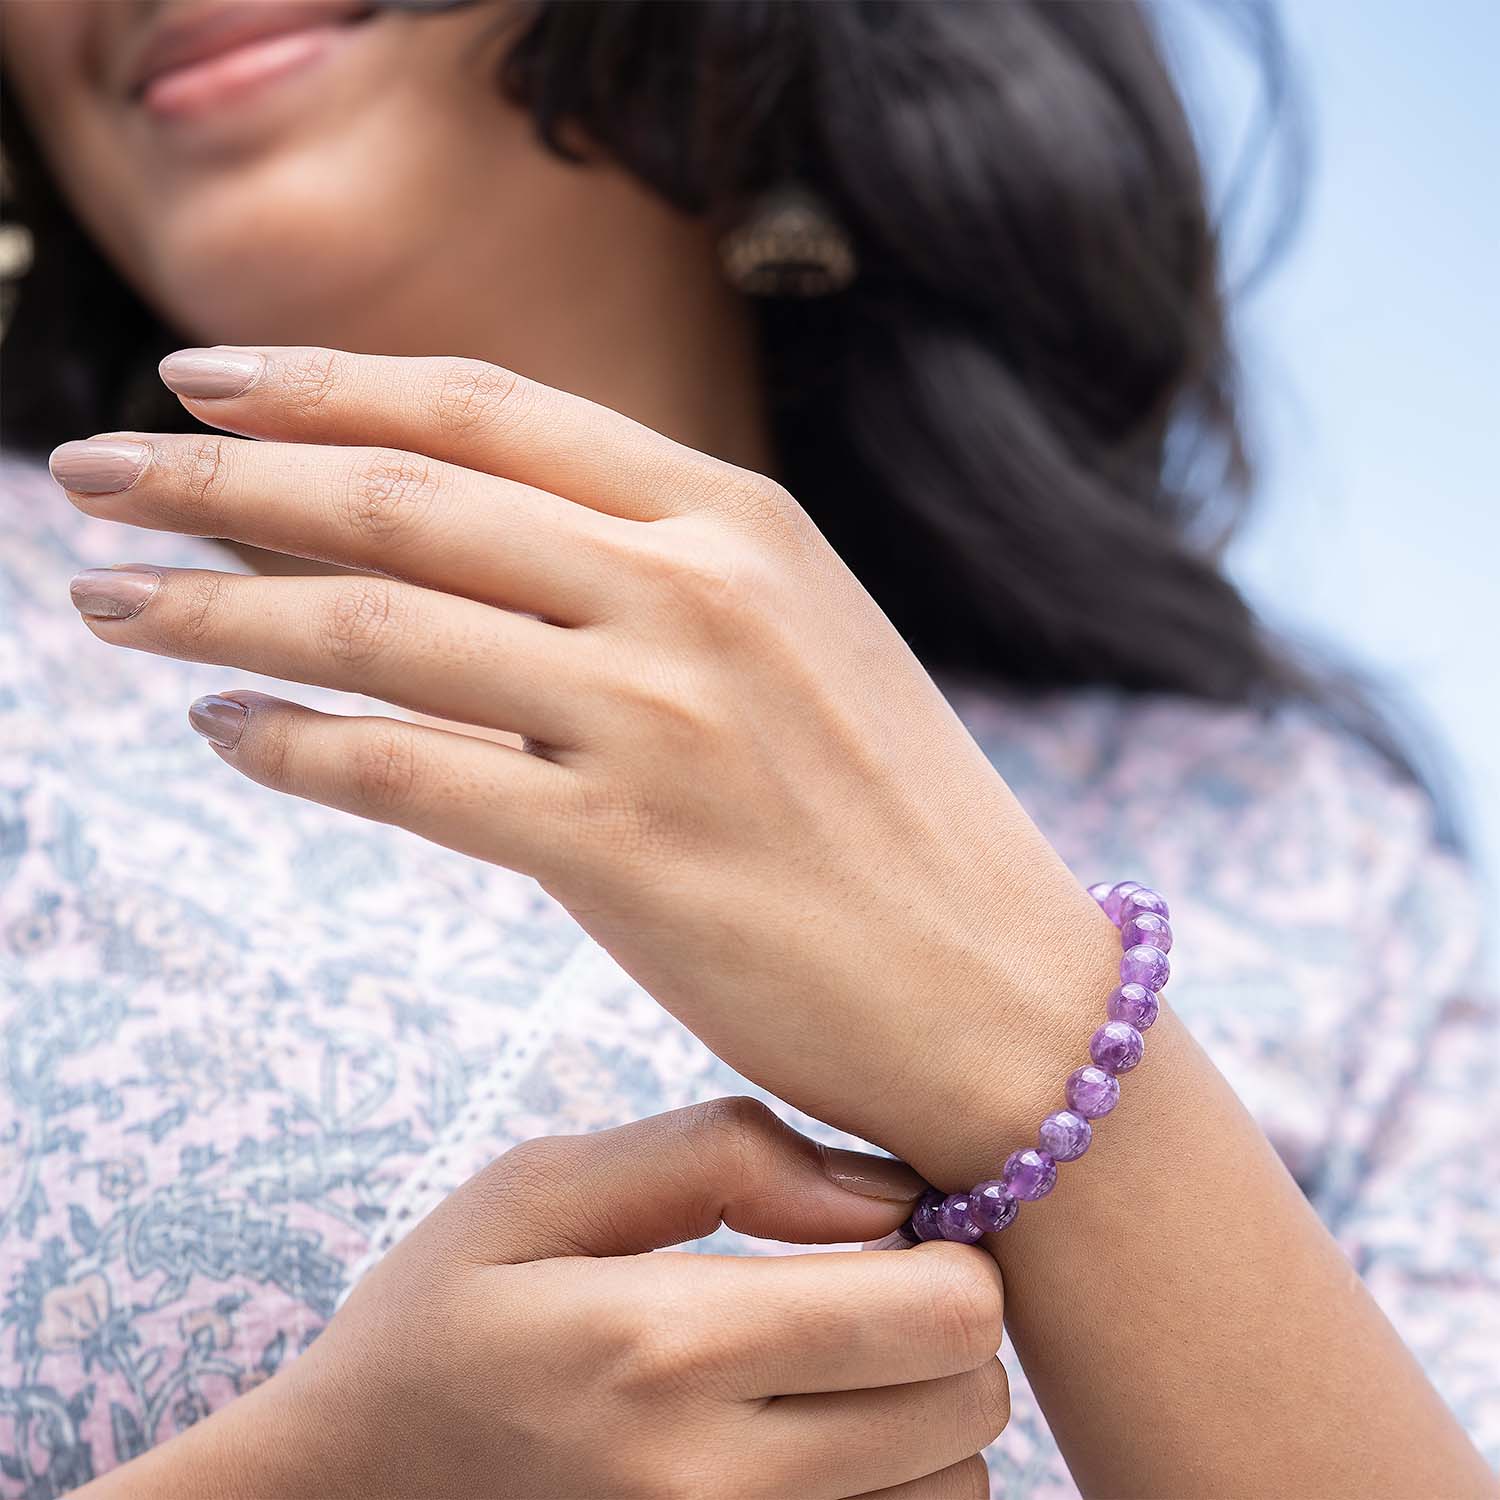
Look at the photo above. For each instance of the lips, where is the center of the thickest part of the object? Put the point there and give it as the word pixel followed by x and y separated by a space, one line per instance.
pixel 207 36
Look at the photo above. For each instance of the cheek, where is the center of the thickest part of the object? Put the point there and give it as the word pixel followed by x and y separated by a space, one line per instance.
pixel 401 170
pixel 325 208
pixel 331 224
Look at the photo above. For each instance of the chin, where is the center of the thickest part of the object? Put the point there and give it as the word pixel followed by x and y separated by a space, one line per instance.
pixel 281 262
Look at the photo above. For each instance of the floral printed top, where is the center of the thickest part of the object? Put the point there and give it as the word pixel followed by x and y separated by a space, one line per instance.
pixel 248 1041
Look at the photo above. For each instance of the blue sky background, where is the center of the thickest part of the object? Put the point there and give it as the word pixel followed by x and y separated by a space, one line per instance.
pixel 1373 359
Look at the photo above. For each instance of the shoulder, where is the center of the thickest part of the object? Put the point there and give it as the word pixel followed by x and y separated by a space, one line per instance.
pixel 1313 866
pixel 1271 789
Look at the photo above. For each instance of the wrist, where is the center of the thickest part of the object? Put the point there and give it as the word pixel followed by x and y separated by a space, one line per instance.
pixel 996 1064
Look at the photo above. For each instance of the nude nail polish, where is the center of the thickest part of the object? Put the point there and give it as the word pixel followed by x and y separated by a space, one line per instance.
pixel 207 373
pixel 113 593
pixel 221 721
pixel 99 466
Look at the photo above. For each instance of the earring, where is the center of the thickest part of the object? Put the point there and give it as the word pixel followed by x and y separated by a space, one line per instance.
pixel 788 245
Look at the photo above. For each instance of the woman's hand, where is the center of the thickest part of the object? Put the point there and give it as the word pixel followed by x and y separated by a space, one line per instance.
pixel 746 787
pixel 517 1344
pixel 741 780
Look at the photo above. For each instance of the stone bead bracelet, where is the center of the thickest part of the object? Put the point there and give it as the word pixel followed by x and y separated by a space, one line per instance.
pixel 1090 1091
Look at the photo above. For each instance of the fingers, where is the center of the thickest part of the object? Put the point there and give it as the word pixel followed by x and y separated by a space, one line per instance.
pixel 451 658
pixel 868 1439
pixel 802 1324
pixel 847 1321
pixel 969 1480
pixel 676 1177
pixel 463 411
pixel 373 508
pixel 797 1323
pixel 432 782
pixel 842 1372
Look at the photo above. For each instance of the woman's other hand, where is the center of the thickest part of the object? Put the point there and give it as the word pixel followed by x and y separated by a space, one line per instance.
pixel 742 781
pixel 520 1343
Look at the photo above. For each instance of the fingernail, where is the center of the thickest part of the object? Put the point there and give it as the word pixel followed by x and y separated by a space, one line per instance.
pixel 99 466
pixel 113 593
pixel 211 372
pixel 871 1176
pixel 221 721
pixel 895 1240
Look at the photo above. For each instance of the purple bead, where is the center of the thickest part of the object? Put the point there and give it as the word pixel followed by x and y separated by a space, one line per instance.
pixel 1135 1005
pixel 1145 965
pixel 1065 1135
pixel 1144 899
pixel 1100 892
pixel 1116 898
pixel 1117 1047
pixel 1029 1174
pixel 953 1220
pixel 1092 1092
pixel 992 1206
pixel 1146 930
pixel 924 1221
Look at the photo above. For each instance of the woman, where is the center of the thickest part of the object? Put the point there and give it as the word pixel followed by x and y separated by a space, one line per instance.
pixel 655 577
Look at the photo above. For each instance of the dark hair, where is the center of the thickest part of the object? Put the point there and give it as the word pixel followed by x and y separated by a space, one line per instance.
pixel 1018 426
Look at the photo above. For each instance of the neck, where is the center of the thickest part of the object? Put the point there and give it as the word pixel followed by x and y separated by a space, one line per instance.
pixel 663 339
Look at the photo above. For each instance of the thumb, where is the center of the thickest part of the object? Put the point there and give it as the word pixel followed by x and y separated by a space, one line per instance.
pixel 677 1177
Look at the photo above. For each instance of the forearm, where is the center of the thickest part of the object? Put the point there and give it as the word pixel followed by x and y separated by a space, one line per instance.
pixel 1187 1323
pixel 260 1444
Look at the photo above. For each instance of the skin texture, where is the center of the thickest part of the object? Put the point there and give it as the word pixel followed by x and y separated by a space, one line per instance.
pixel 843 903
pixel 685 604
pixel 713 747
pixel 547 1354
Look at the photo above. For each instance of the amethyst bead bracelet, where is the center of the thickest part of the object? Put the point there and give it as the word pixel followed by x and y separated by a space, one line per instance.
pixel 1091 1091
